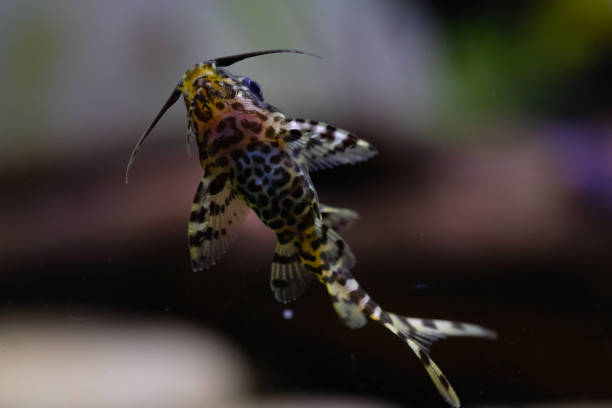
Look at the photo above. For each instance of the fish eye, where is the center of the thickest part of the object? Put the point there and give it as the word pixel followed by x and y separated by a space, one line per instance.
pixel 253 86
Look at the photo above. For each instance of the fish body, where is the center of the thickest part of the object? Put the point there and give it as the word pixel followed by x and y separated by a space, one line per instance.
pixel 255 158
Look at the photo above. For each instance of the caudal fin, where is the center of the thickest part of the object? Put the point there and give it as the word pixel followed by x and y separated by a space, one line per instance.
pixel 420 333
pixel 353 305
pixel 417 333
pixel 439 379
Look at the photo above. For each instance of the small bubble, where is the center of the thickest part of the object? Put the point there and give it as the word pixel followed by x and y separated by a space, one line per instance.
pixel 287 314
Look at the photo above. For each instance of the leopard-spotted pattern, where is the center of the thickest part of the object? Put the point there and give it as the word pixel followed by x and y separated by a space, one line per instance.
pixel 255 158
pixel 244 144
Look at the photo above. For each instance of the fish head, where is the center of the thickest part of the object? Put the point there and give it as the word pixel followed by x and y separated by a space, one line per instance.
pixel 210 92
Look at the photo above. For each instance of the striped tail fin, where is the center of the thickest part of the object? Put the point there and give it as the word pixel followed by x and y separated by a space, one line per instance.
pixel 353 305
pixel 420 333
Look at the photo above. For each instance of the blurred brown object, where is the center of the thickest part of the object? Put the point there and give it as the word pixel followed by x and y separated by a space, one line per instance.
pixel 103 361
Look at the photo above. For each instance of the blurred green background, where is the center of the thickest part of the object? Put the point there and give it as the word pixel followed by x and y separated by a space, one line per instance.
pixel 490 200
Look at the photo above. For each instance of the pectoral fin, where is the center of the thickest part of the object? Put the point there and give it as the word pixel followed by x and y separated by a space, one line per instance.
pixel 321 146
pixel 216 213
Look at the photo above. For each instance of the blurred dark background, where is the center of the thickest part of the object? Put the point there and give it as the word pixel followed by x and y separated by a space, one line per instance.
pixel 490 201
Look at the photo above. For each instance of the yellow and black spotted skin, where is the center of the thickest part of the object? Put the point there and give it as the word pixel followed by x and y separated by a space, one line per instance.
pixel 255 158
pixel 250 148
